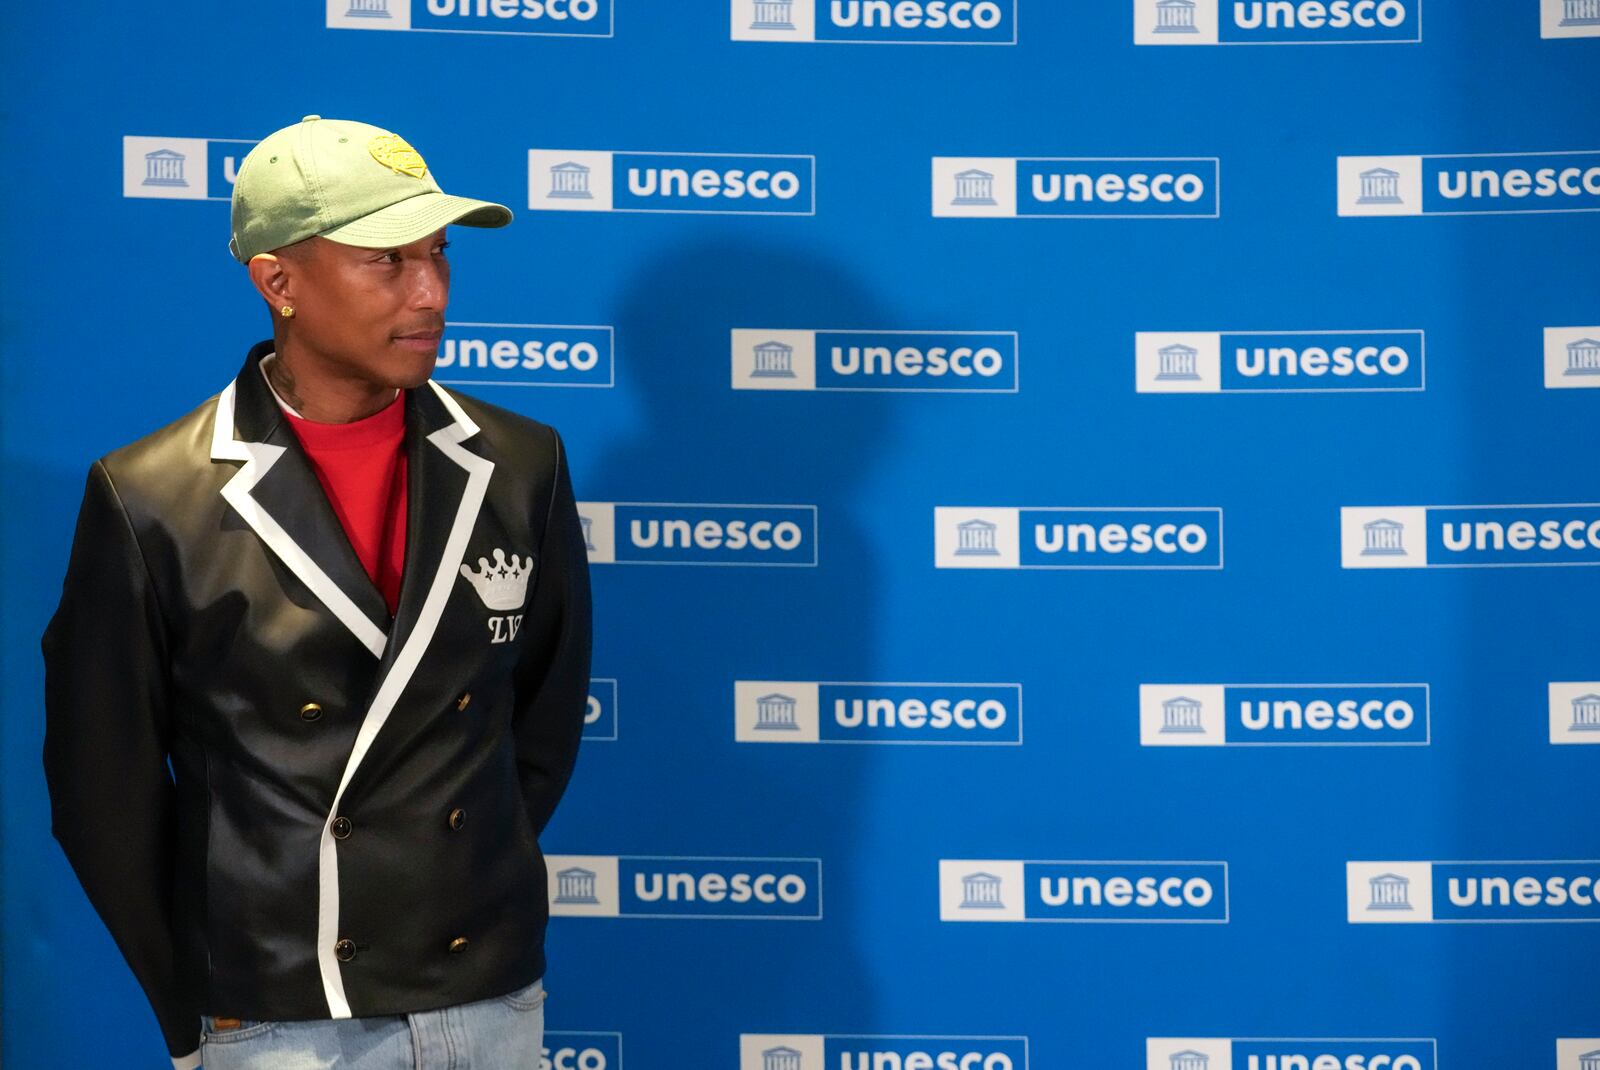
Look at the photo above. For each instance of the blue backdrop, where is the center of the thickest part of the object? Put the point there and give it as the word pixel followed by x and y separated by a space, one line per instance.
pixel 1005 618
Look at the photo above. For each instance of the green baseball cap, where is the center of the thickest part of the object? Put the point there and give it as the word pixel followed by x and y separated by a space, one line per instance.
pixel 349 182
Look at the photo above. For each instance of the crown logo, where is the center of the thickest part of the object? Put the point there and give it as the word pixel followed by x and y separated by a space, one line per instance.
pixel 503 585
pixel 393 152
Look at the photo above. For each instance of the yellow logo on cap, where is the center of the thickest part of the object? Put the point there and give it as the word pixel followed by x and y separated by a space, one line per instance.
pixel 392 151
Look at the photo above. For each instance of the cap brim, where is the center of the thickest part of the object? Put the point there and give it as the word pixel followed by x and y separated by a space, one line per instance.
pixel 415 218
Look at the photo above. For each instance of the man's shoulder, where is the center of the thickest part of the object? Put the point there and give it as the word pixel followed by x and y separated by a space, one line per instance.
pixel 512 433
pixel 169 454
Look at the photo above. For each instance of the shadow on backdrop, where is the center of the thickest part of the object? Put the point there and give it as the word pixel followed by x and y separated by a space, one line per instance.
pixel 733 623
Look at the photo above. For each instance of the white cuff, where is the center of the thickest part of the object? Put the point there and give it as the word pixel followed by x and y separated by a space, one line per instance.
pixel 187 1062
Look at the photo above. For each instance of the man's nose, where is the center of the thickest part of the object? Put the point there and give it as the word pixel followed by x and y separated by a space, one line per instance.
pixel 430 286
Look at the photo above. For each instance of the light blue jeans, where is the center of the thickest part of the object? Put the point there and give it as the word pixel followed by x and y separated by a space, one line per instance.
pixel 500 1033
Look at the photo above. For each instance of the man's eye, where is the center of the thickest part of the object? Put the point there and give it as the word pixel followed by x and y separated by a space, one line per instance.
pixel 385 258
pixel 442 247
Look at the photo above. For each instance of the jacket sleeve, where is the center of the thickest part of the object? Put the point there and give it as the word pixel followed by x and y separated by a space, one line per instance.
pixel 552 673
pixel 107 726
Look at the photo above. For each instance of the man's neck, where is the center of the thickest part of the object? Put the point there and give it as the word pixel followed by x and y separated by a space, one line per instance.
pixel 323 399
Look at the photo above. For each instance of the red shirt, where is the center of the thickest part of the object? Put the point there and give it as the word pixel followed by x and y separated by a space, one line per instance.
pixel 362 467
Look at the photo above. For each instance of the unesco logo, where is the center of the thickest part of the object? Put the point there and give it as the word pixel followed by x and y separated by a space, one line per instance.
pixel 1492 183
pixel 1569 18
pixel 1278 362
pixel 581 1051
pixel 1420 892
pixel 652 886
pixel 667 533
pixel 1578 1053
pixel 697 183
pixel 815 1051
pixel 1027 890
pixel 1575 712
pixel 1287 1053
pixel 1276 22
pixel 525 354
pixel 600 711
pixel 1571 356
pixel 1077 537
pixel 1283 715
pixel 1469 536
pixel 182 168
pixel 792 711
pixel 934 362
pixel 1085 187
pixel 542 18
pixel 904 22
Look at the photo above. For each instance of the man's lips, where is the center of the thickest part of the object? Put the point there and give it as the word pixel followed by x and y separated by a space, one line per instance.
pixel 420 338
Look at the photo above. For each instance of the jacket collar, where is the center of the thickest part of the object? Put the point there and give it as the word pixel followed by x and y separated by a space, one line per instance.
pixel 278 494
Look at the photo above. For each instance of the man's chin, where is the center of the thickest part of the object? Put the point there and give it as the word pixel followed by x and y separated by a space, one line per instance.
pixel 412 363
pixel 418 377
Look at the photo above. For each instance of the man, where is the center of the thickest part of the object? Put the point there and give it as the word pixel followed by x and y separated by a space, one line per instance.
pixel 352 608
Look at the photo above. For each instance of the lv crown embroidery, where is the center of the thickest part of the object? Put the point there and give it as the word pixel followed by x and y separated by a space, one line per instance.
pixel 503 585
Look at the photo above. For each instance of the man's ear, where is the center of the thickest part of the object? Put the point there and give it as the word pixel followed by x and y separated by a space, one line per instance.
pixel 272 279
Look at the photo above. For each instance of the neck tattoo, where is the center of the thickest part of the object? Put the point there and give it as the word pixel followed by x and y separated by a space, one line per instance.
pixel 283 382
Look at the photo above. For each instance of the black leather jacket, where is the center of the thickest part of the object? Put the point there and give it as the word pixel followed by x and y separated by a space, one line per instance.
pixel 350 822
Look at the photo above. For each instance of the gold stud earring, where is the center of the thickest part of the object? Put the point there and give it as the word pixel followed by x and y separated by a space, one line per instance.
pixel 286 311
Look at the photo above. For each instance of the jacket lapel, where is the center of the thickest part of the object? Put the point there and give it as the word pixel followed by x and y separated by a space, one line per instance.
pixel 278 494
pixel 445 487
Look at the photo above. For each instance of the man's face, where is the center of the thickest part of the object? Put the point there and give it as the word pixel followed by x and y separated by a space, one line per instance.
pixel 376 314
